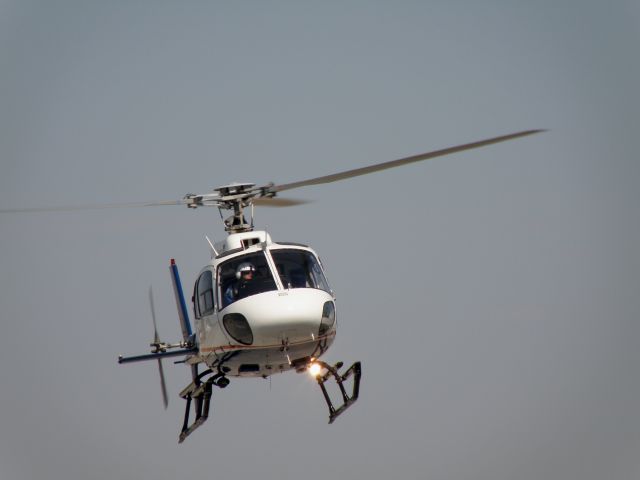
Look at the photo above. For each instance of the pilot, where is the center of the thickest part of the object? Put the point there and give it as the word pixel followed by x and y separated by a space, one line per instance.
pixel 244 276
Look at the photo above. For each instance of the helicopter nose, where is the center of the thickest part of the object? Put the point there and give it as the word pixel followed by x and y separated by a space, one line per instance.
pixel 304 318
pixel 291 316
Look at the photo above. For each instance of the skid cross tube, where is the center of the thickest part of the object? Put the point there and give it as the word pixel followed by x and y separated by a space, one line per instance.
pixel 332 372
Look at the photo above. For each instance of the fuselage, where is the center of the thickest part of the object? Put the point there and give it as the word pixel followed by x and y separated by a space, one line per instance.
pixel 262 307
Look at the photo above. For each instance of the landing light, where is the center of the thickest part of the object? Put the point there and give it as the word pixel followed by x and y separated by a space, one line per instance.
pixel 314 369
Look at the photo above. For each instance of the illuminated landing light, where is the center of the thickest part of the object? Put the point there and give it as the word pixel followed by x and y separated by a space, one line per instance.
pixel 314 369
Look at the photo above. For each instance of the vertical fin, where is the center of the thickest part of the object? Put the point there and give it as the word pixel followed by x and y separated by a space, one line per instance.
pixel 183 313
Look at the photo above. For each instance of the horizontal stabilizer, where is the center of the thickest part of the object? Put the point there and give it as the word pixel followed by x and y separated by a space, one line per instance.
pixel 154 356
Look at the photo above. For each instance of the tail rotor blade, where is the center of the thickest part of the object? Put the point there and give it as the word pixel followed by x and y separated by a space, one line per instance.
pixel 163 385
pixel 156 340
pixel 156 337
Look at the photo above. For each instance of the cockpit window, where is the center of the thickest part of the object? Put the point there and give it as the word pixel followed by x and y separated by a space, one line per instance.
pixel 244 276
pixel 299 269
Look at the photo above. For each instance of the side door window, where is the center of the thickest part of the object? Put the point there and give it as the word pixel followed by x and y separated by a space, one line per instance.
pixel 204 294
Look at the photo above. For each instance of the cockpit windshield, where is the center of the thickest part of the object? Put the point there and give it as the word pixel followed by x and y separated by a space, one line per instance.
pixel 299 269
pixel 244 276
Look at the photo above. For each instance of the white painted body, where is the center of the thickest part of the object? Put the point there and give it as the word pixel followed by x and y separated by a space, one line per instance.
pixel 285 321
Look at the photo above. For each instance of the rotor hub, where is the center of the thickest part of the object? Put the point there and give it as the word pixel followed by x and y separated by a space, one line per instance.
pixel 236 197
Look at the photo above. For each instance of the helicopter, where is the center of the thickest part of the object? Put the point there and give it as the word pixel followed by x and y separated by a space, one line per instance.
pixel 259 306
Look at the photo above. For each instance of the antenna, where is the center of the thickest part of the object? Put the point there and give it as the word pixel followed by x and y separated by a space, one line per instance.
pixel 214 252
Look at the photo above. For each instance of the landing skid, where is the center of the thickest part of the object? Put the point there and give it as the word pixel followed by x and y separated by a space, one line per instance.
pixel 332 373
pixel 199 392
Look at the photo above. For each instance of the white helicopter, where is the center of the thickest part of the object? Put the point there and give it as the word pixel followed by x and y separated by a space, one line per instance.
pixel 260 307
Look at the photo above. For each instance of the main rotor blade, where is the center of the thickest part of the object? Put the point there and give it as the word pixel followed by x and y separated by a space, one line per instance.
pixel 278 202
pixel 74 208
pixel 397 163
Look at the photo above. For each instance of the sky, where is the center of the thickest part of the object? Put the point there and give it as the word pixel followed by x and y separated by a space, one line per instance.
pixel 491 296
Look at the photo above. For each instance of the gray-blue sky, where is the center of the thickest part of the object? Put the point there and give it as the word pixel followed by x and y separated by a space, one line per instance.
pixel 491 296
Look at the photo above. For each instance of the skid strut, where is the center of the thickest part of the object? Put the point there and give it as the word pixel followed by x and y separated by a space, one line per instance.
pixel 200 393
pixel 332 372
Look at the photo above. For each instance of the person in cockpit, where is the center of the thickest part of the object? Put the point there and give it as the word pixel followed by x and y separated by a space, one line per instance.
pixel 244 277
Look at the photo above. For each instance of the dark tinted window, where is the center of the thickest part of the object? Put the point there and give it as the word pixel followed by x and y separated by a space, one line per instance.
pixel 299 269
